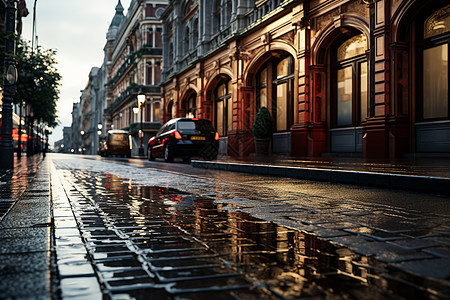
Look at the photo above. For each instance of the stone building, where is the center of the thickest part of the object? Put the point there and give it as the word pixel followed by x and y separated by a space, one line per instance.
pixel 360 78
pixel 67 140
pixel 92 103
pixel 133 55
pixel 76 142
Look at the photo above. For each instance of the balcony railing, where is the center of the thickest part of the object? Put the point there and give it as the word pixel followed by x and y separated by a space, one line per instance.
pixel 188 59
pixel 130 60
pixel 217 40
pixel 262 8
pixel 132 91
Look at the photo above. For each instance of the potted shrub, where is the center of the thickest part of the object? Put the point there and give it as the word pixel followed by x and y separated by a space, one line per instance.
pixel 262 131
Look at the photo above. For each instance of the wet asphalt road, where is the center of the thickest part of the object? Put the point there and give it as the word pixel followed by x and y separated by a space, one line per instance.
pixel 173 231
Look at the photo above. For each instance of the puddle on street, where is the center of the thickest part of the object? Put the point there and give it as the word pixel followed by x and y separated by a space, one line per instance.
pixel 163 243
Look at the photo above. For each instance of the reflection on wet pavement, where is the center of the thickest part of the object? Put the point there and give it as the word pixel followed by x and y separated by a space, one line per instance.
pixel 155 242
pixel 14 182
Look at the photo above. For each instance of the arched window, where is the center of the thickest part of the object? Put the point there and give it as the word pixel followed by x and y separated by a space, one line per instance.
pixel 191 106
pixel 224 107
pixel 275 90
pixel 434 52
pixel 351 82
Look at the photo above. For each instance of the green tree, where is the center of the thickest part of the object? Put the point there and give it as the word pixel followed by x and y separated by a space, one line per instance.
pixel 38 82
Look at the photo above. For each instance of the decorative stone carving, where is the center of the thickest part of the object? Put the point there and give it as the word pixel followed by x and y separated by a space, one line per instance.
pixel 324 20
pixel 288 37
pixel 265 38
pixel 356 7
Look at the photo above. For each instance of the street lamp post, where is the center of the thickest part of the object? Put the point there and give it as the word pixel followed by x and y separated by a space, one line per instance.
pixel 99 130
pixel 141 101
pixel 82 141
pixel 6 142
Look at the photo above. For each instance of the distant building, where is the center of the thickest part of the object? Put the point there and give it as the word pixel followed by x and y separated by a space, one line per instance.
pixel 59 146
pixel 133 59
pixel 92 102
pixel 360 78
pixel 67 139
pixel 76 144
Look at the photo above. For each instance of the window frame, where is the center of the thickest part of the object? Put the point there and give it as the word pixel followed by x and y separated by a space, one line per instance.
pixel 423 44
pixel 225 99
pixel 355 63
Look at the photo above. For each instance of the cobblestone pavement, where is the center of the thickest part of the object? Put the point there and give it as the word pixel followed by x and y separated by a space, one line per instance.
pixel 161 234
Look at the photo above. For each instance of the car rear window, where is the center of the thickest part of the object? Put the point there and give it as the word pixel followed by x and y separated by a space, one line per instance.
pixel 119 139
pixel 201 125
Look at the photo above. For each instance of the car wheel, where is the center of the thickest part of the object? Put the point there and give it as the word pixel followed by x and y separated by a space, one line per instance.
pixel 149 154
pixel 186 159
pixel 167 155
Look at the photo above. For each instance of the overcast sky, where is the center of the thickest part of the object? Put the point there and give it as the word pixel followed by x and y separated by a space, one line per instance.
pixel 77 30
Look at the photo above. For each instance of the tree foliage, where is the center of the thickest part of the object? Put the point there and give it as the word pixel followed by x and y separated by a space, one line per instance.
pixel 38 82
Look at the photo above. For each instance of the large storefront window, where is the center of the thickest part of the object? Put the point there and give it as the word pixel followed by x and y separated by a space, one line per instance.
pixel 351 82
pixel 275 90
pixel 224 108
pixel 435 78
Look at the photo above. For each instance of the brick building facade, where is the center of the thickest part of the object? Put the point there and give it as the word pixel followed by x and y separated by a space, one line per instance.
pixel 366 78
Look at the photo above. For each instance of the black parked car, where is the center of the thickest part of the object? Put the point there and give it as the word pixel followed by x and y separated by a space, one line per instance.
pixel 118 142
pixel 185 138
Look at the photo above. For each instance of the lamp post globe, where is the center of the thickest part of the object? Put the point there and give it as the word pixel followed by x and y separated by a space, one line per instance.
pixel 141 100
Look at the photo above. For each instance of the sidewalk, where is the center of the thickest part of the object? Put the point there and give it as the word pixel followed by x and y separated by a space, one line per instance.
pixel 430 175
pixel 25 230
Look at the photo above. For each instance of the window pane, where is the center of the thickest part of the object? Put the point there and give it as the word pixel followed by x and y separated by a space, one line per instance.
pixel 437 23
pixel 344 97
pixel 363 92
pixel 219 121
pixel 354 46
pixel 283 68
pixel 263 97
pixel 221 90
pixel 230 115
pixel 435 82
pixel 263 77
pixel 156 112
pixel 281 107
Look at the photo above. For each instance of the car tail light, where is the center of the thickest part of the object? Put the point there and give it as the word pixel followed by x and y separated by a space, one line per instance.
pixel 177 135
pixel 106 146
pixel 216 137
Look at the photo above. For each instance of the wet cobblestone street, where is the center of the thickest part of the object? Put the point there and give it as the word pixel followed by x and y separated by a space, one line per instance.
pixel 119 237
